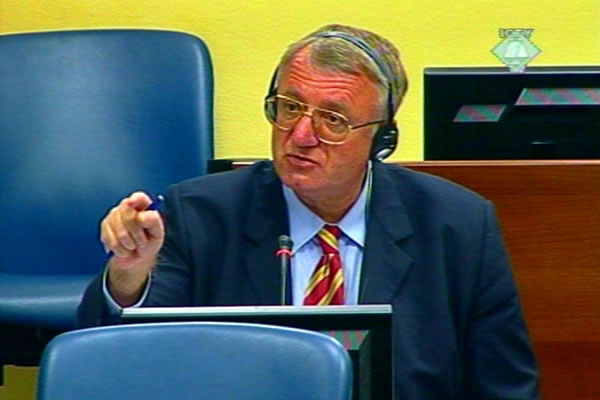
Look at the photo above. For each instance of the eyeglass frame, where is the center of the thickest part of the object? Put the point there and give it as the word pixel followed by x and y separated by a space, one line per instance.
pixel 305 112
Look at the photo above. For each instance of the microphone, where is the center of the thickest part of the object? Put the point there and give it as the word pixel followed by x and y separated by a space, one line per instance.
pixel 284 253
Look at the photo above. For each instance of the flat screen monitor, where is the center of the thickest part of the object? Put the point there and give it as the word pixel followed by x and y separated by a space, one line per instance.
pixel 493 114
pixel 364 330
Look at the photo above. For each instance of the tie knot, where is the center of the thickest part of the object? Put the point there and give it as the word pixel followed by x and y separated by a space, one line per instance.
pixel 328 238
pixel 333 229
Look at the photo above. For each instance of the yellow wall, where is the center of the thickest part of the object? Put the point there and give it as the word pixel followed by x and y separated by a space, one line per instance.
pixel 246 39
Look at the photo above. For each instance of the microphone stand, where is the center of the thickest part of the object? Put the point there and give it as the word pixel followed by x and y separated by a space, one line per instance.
pixel 284 253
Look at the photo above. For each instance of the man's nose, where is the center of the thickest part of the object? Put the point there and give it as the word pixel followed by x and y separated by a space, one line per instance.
pixel 303 134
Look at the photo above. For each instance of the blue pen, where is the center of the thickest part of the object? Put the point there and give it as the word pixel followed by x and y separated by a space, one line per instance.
pixel 155 205
pixel 156 202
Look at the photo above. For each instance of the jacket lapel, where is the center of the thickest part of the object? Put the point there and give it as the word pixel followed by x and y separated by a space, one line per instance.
pixel 384 261
pixel 267 220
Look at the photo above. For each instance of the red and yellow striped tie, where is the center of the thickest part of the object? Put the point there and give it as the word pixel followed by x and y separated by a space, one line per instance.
pixel 326 285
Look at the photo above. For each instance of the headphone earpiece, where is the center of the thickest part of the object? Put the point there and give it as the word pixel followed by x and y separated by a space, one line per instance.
pixel 385 141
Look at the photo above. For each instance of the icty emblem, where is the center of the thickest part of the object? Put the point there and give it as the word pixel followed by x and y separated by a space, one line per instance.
pixel 516 50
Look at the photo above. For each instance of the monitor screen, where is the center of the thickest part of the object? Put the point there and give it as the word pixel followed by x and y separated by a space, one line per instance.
pixel 490 113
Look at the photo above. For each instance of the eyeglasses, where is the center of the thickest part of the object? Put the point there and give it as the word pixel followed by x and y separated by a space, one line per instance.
pixel 330 127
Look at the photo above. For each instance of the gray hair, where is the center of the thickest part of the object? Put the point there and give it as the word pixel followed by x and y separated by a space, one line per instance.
pixel 340 55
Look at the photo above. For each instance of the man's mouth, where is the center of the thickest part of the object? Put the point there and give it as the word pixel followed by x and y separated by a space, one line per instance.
pixel 300 161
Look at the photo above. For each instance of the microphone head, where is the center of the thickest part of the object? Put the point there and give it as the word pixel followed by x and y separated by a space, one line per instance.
pixel 285 242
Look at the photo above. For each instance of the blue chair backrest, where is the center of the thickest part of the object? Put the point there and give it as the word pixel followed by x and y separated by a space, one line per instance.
pixel 194 360
pixel 87 117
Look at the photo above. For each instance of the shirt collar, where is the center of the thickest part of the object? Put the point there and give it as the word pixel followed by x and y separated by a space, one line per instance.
pixel 304 224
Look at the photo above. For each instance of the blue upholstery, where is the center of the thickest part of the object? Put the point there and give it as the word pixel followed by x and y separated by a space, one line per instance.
pixel 87 117
pixel 194 360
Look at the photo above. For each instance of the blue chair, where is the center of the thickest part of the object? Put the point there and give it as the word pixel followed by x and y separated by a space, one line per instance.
pixel 87 117
pixel 194 360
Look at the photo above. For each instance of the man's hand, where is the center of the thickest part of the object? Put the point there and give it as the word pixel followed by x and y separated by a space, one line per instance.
pixel 134 235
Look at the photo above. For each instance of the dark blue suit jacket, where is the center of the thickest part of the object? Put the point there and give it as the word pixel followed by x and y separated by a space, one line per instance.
pixel 433 251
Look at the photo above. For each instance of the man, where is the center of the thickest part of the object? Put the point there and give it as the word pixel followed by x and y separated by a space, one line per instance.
pixel 377 233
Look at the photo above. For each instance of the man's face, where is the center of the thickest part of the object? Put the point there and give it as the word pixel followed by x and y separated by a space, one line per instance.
pixel 315 170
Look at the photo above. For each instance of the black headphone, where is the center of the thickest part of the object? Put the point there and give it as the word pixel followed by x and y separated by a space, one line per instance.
pixel 386 138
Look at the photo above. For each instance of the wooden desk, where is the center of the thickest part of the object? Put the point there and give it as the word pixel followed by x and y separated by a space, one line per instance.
pixel 550 215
